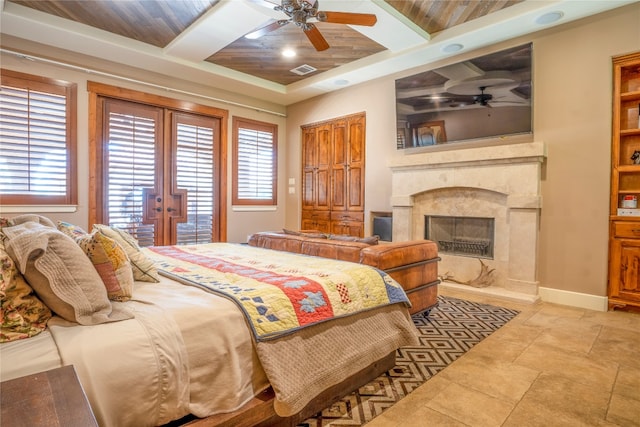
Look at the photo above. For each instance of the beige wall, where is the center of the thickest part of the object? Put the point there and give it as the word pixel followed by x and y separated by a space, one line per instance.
pixel 240 223
pixel 572 116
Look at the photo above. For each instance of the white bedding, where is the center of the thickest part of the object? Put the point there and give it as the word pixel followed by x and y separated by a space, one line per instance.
pixel 28 356
pixel 162 371
pixel 166 363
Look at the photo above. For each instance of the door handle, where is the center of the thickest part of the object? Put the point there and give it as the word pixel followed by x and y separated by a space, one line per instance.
pixel 158 209
pixel 170 209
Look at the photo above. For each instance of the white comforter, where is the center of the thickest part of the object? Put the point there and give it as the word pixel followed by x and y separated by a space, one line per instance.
pixel 188 351
pixel 165 363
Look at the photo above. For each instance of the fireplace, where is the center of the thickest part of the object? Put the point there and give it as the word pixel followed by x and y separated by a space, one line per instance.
pixel 458 235
pixel 498 185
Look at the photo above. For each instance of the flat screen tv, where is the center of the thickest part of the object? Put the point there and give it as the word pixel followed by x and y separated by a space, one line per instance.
pixel 481 98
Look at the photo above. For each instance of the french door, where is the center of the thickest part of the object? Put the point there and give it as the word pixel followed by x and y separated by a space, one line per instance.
pixel 159 173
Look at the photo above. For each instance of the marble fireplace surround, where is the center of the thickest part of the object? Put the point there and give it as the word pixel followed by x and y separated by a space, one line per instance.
pixel 501 182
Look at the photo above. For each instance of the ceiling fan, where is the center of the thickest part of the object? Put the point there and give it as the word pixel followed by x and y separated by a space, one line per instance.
pixel 299 11
pixel 483 98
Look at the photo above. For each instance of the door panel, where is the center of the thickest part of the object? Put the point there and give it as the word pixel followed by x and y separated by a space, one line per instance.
pixel 131 155
pixel 355 164
pixel 629 280
pixel 308 167
pixel 323 176
pixel 194 148
pixel 339 166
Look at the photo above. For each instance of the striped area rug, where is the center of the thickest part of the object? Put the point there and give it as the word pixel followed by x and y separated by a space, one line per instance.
pixel 446 333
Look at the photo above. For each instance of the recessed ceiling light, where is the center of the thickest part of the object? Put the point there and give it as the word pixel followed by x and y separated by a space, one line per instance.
pixel 341 82
pixel 453 47
pixel 288 53
pixel 549 18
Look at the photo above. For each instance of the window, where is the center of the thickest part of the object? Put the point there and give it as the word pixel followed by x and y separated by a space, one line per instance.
pixel 37 140
pixel 255 162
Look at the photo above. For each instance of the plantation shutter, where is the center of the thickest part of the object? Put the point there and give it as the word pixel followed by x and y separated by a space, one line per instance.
pixel 131 167
pixel 36 145
pixel 255 163
pixel 194 138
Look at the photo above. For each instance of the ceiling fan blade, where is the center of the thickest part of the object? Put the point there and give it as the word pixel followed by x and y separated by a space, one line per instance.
pixel 316 38
pixel 366 19
pixel 266 29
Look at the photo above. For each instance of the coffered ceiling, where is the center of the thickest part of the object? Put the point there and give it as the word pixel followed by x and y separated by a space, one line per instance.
pixel 203 40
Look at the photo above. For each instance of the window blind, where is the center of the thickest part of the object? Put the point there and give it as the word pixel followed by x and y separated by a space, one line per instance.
pixel 194 169
pixel 33 142
pixel 131 168
pixel 254 162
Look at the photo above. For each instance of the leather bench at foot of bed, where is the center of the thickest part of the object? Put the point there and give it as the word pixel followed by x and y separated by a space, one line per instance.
pixel 413 264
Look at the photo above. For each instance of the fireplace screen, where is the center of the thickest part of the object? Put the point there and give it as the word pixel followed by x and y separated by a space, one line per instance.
pixel 456 235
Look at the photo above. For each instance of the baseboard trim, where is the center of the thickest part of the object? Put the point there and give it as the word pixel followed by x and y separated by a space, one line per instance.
pixel 492 291
pixel 574 299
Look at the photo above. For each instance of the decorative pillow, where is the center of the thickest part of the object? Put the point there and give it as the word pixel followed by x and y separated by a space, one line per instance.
pixel 316 234
pixel 372 240
pixel 143 268
pixel 108 257
pixel 71 230
pixel 23 314
pixel 20 219
pixel 60 274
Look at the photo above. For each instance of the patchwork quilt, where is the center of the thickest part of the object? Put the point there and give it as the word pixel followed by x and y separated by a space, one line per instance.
pixel 279 292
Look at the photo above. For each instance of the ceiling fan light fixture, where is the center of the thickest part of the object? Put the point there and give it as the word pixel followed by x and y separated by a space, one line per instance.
pixel 288 52
pixel 300 11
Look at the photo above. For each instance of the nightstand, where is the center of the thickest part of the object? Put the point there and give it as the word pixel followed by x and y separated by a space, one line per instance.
pixel 50 398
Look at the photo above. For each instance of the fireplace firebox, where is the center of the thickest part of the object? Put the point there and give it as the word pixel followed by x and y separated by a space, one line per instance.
pixel 463 236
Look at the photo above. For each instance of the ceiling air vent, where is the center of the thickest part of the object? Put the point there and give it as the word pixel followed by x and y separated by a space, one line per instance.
pixel 303 69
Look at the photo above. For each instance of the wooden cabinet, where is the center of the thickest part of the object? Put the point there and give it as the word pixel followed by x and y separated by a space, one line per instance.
pixel 624 234
pixel 333 160
pixel 316 220
pixel 349 223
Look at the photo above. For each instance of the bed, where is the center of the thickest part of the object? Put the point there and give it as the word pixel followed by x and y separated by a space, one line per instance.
pixel 204 340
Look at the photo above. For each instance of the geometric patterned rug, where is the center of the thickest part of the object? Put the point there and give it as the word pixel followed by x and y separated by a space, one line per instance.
pixel 446 333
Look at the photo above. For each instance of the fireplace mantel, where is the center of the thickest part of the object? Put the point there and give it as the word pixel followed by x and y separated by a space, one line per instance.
pixel 524 152
pixel 499 181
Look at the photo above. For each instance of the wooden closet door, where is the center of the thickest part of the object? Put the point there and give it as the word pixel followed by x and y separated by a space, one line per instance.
pixel 355 152
pixel 316 155
pixel 339 166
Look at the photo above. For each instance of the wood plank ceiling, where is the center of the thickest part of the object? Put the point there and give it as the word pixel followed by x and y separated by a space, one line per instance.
pixel 159 22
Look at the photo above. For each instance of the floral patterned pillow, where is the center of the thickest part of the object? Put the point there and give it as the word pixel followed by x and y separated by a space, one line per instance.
pixel 108 257
pixel 22 314
pixel 144 268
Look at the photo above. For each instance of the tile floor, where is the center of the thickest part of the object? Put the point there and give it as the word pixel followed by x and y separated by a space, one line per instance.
pixel 552 365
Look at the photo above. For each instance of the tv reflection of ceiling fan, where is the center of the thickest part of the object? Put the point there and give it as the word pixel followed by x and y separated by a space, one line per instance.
pixel 484 98
pixel 299 11
pixel 495 87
